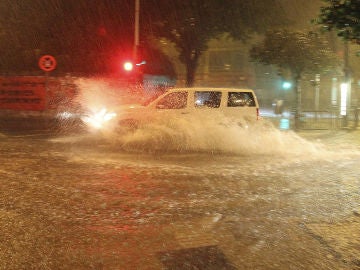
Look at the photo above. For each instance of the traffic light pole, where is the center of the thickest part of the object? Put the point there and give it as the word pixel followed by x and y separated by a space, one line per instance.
pixel 136 30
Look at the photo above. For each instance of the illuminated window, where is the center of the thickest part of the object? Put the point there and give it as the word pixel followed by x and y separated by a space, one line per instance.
pixel 343 98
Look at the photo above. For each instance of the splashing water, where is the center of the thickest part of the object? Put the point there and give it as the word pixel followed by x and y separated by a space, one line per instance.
pixel 95 94
pixel 211 133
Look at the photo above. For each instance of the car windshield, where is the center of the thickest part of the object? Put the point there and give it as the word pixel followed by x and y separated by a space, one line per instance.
pixel 148 100
pixel 244 155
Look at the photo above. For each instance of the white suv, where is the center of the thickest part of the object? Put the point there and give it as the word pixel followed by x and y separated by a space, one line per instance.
pixel 179 102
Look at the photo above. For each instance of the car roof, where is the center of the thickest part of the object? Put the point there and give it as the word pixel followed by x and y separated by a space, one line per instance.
pixel 200 89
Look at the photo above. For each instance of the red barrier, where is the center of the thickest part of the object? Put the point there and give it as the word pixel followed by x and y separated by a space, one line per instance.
pixel 23 93
pixel 34 93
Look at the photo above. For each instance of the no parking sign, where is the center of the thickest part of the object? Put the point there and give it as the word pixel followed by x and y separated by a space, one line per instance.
pixel 47 63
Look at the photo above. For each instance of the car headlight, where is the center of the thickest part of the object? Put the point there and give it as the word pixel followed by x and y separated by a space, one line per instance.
pixel 98 119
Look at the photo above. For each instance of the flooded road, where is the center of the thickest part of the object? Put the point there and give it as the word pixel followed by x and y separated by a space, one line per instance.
pixel 288 201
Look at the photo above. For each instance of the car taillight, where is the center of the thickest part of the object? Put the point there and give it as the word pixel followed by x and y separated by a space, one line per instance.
pixel 257 113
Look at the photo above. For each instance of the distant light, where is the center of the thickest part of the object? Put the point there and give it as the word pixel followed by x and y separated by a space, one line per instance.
pixel 286 85
pixel 343 98
pixel 65 115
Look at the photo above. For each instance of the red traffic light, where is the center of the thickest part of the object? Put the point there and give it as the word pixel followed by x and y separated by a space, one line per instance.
pixel 128 66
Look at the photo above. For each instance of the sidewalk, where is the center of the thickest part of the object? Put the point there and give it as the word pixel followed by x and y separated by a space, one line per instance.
pixel 307 122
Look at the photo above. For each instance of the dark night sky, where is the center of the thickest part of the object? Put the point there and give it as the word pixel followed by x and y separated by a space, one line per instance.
pixel 104 27
pixel 302 11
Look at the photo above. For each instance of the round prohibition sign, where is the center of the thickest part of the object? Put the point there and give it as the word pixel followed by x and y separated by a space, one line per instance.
pixel 47 63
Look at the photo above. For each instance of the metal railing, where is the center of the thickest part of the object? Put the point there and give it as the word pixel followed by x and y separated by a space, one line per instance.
pixel 328 119
pixel 320 120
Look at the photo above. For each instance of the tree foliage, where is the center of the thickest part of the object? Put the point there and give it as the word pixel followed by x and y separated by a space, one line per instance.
pixel 296 52
pixel 342 15
pixel 190 25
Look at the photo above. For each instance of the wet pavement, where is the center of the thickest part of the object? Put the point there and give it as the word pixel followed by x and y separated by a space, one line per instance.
pixel 70 204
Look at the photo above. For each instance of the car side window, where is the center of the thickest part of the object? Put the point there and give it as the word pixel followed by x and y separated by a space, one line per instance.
pixel 176 100
pixel 209 99
pixel 240 99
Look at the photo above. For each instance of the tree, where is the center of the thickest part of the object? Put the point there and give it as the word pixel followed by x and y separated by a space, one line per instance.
pixel 344 16
pixel 297 53
pixel 190 25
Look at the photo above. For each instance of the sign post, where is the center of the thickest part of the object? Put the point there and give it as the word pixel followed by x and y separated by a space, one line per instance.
pixel 47 63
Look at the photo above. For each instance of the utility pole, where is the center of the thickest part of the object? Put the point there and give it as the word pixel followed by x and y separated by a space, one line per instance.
pixel 136 30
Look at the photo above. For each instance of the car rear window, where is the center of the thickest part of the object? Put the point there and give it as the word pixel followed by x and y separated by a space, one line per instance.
pixel 241 99
pixel 209 99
